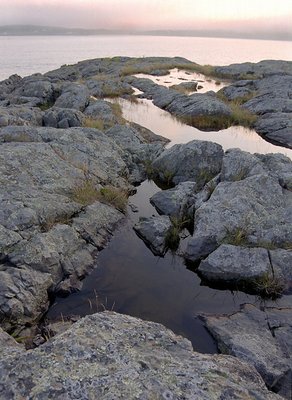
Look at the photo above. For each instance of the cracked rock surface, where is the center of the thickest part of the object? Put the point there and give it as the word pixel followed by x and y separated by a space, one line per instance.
pixel 262 338
pixel 113 356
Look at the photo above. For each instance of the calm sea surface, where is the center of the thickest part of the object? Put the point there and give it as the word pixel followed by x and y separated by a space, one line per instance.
pixel 25 55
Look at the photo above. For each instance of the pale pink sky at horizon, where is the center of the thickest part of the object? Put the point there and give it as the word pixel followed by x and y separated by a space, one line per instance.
pixel 270 15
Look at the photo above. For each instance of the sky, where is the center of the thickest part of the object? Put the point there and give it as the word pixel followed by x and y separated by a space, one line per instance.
pixel 236 15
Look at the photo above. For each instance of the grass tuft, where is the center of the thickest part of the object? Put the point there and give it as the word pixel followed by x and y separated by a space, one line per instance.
pixel 86 193
pixel 114 196
pixel 96 123
pixel 172 237
pixel 19 137
pixel 269 286
pixel 236 237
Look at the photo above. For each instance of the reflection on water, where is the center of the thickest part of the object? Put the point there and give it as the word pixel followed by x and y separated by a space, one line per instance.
pixel 162 123
pixel 129 279
pixel 177 76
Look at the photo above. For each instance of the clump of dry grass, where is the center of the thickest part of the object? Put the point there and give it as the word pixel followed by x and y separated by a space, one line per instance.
pixel 269 286
pixel 19 137
pixel 96 123
pixel 87 193
pixel 114 196
pixel 239 116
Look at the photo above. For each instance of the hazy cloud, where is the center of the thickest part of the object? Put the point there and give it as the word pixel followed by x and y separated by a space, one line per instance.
pixel 257 15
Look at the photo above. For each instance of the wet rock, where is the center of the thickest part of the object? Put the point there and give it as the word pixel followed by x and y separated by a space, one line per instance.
pixel 175 202
pixel 68 286
pixel 196 161
pixel 109 355
pixel 237 266
pixel 153 231
pixel 261 338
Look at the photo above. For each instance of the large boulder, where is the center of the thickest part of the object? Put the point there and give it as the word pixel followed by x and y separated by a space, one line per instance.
pixel 196 161
pixel 20 115
pixel 254 211
pixel 74 96
pixel 112 356
pixel 62 118
pixel 238 267
pixel 276 127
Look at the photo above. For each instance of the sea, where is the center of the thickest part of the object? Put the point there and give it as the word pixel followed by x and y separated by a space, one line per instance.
pixel 25 55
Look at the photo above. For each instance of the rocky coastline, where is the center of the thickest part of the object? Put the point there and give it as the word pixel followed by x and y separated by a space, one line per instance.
pixel 69 161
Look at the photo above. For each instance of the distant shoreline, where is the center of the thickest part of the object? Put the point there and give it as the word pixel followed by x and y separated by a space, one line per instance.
pixel 31 30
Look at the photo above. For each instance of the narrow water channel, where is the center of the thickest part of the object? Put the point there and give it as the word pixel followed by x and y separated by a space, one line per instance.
pixel 129 279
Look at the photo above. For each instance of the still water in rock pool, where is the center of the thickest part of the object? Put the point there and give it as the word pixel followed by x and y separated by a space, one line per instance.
pixel 129 279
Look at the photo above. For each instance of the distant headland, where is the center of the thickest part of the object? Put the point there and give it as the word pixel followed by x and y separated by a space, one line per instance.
pixel 38 30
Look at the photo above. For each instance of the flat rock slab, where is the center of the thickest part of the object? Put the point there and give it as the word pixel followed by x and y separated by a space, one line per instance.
pixel 262 338
pixel 113 356
pixel 237 265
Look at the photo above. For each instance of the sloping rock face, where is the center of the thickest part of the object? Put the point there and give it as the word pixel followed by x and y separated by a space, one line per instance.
pixel 111 356
pixel 268 96
pixel 262 68
pixel 261 338
pixel 47 233
pixel 48 162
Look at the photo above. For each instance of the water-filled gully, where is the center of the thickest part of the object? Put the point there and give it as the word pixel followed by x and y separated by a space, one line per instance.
pixel 129 279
